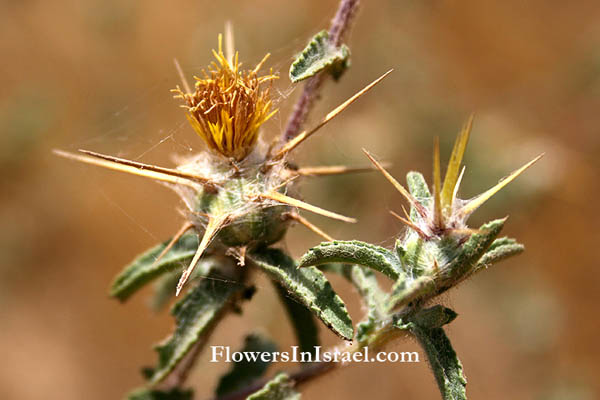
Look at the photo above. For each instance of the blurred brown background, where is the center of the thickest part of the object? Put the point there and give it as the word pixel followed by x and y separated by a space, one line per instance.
pixel 95 74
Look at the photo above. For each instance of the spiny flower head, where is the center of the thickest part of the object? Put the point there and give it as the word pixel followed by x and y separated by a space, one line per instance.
pixel 236 201
pixel 446 214
pixel 229 105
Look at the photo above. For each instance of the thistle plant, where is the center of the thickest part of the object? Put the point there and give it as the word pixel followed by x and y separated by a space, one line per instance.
pixel 239 199
pixel 437 252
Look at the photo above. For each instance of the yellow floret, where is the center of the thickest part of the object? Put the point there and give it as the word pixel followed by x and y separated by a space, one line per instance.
pixel 229 105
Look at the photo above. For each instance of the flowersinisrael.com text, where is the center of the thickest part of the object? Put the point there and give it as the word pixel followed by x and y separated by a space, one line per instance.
pixel 224 354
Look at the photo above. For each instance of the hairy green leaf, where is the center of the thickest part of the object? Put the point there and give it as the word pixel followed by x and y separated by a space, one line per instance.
pixel 245 372
pixel 446 366
pixel 472 251
pixel 354 252
pixel 373 297
pixel 309 286
pixel 426 326
pixel 145 268
pixel 417 186
pixel 319 55
pixel 302 320
pixel 279 388
pixel 404 292
pixel 503 241
pixel 499 254
pixel 152 394
pixel 195 316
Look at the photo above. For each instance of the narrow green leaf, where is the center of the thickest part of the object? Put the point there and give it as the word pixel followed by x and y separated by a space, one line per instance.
pixel 417 186
pixel 195 316
pixel 279 388
pixel 309 286
pixel 503 241
pixel 319 55
pixel 373 297
pixel 144 268
pixel 426 326
pixel 404 292
pixel 245 372
pixel 354 252
pixel 302 320
pixel 447 369
pixel 499 253
pixel 472 251
pixel 152 394
pixel 414 253
pixel 400 249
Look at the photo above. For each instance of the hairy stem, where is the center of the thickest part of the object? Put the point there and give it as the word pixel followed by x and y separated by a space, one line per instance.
pixel 339 26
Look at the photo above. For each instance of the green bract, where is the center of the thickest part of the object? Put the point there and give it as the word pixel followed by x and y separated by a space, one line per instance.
pixel 250 224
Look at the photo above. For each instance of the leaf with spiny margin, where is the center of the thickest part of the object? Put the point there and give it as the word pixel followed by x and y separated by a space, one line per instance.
pixel 309 286
pixel 417 186
pixel 354 252
pixel 153 394
pixel 195 316
pixel 320 55
pixel 279 388
pixel 426 326
pixel 166 285
pixel 302 320
pixel 145 268
pixel 245 372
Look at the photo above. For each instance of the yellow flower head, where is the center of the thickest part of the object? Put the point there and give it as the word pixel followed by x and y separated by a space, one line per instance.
pixel 229 105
